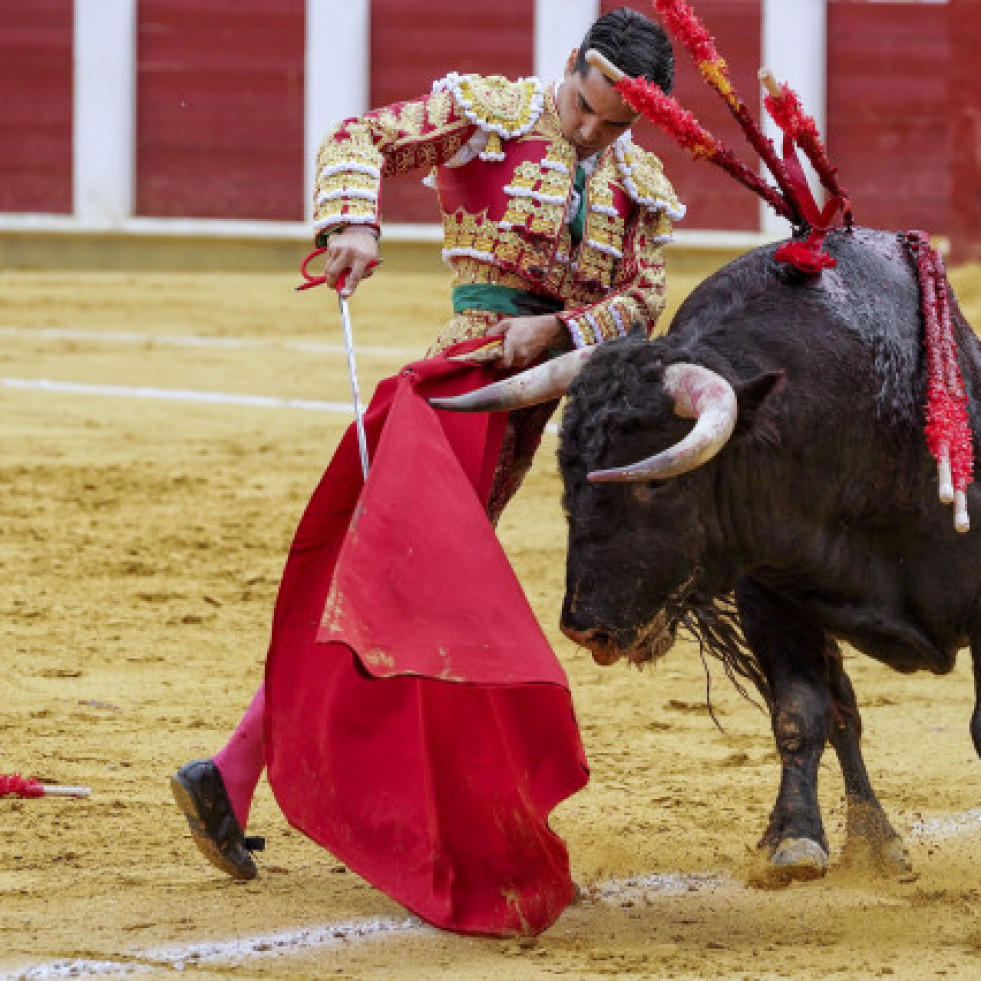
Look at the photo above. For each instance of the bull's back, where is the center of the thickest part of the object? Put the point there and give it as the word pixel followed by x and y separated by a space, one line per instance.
pixel 855 331
pixel 851 429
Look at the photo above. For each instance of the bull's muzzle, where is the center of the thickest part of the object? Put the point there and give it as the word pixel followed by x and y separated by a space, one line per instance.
pixel 597 642
pixel 650 644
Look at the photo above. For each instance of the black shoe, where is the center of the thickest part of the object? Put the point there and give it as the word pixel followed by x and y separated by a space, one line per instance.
pixel 200 793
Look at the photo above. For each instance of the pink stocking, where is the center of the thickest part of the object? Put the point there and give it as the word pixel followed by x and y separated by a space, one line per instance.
pixel 241 762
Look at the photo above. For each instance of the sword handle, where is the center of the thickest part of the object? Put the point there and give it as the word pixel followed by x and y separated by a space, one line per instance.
pixel 310 280
pixel 342 279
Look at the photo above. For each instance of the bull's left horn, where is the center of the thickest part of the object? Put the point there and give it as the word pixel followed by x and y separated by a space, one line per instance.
pixel 531 387
pixel 700 394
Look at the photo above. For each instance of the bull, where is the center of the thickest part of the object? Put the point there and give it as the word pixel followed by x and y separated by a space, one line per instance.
pixel 799 512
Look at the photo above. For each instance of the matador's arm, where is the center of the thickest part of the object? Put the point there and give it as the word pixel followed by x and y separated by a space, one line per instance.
pixel 355 156
pixel 638 292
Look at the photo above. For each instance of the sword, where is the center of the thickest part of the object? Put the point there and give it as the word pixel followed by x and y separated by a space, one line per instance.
pixel 310 281
pixel 352 371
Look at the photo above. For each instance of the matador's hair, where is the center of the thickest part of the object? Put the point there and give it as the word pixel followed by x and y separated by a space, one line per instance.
pixel 636 45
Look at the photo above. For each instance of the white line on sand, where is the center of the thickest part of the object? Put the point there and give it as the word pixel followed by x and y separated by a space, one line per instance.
pixel 237 950
pixel 938 829
pixel 198 341
pixel 180 957
pixel 240 949
pixel 182 395
pixel 171 394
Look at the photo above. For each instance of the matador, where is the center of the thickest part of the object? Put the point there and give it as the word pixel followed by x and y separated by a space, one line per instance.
pixel 554 221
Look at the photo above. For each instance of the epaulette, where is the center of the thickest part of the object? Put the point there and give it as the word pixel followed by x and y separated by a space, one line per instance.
pixel 644 180
pixel 502 108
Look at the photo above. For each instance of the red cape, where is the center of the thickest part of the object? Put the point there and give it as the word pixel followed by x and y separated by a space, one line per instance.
pixel 418 725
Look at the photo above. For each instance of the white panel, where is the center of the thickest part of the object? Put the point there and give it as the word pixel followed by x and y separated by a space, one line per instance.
pixel 559 27
pixel 795 49
pixel 336 69
pixel 104 148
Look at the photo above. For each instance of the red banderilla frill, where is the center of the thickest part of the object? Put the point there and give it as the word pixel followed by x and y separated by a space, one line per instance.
pixel 668 114
pixel 786 111
pixel 792 198
pixel 948 426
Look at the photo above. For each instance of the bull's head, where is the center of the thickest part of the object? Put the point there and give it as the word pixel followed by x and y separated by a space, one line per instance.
pixel 639 505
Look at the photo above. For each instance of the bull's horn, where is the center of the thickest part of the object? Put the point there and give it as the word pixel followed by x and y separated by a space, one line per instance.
pixel 698 394
pixel 531 387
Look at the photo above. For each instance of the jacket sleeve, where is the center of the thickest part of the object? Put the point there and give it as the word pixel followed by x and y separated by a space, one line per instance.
pixel 638 293
pixel 354 157
pixel 419 134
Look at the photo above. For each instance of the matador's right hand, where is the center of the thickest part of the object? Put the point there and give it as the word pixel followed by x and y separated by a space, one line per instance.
pixel 354 250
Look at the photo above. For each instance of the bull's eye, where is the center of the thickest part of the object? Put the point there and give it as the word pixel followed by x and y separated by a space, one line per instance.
pixel 644 493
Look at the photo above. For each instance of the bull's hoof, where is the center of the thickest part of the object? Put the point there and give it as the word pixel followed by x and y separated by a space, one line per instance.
pixel 793 860
pixel 887 858
pixel 806 858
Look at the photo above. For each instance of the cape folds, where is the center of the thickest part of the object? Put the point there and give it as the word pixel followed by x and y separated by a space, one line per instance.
pixel 418 725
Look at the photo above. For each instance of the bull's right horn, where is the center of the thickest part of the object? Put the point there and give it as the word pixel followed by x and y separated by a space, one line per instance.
pixel 532 387
pixel 701 394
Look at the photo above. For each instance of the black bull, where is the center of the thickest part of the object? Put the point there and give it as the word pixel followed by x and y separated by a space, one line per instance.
pixel 817 521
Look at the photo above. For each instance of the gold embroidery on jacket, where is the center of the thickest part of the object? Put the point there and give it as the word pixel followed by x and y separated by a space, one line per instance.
pixel 439 108
pixel 497 104
pixel 644 180
pixel 611 278
pixel 536 201
pixel 412 118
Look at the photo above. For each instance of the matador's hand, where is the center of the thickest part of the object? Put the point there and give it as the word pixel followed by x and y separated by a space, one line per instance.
pixel 526 338
pixel 355 250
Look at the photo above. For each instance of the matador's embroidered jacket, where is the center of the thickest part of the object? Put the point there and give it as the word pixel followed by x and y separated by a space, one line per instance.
pixel 505 178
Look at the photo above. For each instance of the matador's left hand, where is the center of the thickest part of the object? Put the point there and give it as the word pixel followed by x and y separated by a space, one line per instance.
pixel 526 338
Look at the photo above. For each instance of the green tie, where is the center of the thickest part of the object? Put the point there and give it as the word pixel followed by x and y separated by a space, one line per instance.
pixel 579 219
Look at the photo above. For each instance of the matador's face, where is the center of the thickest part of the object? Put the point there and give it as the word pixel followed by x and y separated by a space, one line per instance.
pixel 591 112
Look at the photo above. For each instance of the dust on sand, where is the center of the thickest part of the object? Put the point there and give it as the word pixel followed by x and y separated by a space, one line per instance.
pixel 142 544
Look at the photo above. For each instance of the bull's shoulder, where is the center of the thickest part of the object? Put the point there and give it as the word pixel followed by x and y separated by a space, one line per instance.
pixel 644 180
pixel 496 104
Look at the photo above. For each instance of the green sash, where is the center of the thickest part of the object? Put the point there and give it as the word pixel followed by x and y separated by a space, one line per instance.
pixel 502 299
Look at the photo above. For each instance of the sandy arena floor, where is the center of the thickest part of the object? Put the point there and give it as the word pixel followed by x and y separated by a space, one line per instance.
pixel 142 541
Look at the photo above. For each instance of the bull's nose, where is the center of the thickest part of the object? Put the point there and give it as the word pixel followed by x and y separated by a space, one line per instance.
pixel 598 642
pixel 590 637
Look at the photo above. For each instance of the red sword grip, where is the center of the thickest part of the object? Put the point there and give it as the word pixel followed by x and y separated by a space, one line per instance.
pixel 310 280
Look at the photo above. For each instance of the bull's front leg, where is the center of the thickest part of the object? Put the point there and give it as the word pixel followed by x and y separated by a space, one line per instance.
pixel 870 840
pixel 791 652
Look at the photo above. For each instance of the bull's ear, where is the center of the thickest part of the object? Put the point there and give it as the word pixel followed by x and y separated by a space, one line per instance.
pixel 755 399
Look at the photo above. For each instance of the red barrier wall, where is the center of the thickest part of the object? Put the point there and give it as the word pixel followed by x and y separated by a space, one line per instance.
pixel 36 106
pixel 888 110
pixel 220 105
pixel 414 44
pixel 965 128
pixel 220 109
